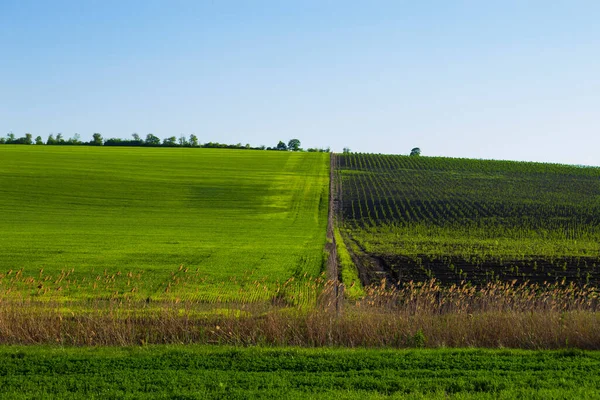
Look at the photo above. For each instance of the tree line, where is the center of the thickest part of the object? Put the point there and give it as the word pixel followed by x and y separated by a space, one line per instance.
pixel 149 141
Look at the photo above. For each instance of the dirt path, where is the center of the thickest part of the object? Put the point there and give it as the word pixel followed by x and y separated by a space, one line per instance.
pixel 333 299
pixel 332 264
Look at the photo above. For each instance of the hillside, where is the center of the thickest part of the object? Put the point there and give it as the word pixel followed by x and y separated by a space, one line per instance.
pixel 203 224
pixel 473 220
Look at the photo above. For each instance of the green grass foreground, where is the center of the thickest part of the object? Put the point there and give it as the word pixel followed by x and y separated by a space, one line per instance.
pixel 195 224
pixel 208 372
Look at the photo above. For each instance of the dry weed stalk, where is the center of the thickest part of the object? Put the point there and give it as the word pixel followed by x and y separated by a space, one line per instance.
pixel 414 315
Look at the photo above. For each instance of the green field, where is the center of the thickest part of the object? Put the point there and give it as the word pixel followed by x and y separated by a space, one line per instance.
pixel 134 246
pixel 203 224
pixel 472 220
pixel 201 372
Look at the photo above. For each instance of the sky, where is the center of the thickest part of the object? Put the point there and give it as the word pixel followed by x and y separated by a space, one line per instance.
pixel 513 80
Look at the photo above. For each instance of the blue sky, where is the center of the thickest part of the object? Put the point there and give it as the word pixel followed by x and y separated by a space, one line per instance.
pixel 515 80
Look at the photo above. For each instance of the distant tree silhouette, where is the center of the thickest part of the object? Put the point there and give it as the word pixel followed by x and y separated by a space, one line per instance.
pixel 76 139
pixel 415 152
pixel 170 141
pixel 294 145
pixel 97 140
pixel 137 140
pixel 152 140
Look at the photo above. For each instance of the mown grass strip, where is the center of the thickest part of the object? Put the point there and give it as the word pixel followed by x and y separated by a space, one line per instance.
pixel 353 287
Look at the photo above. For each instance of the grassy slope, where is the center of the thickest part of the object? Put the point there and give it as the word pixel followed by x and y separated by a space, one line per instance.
pixel 127 218
pixel 203 372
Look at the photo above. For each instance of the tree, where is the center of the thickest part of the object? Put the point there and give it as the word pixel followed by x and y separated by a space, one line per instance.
pixel 51 139
pixel 294 145
pixel 59 139
pixel 76 139
pixel 183 141
pixel 152 140
pixel 170 141
pixel 38 140
pixel 137 140
pixel 97 139
pixel 415 152
pixel 193 140
pixel 281 146
pixel 117 142
pixel 11 139
pixel 346 150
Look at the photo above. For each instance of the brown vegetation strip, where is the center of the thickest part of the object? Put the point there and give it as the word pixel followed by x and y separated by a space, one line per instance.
pixel 501 315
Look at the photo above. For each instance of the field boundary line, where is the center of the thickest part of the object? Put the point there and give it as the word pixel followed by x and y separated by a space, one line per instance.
pixel 333 273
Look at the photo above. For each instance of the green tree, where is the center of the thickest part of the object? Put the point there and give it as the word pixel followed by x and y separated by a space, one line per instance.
pixel 193 140
pixel 183 141
pixel 38 140
pixel 76 139
pixel 28 138
pixel 294 145
pixel 170 141
pixel 137 140
pixel 97 139
pixel 415 152
pixel 347 150
pixel 152 140
pixel 51 139
pixel 281 146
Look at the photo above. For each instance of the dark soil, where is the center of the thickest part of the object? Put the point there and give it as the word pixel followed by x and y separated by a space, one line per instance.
pixel 453 270
pixel 371 269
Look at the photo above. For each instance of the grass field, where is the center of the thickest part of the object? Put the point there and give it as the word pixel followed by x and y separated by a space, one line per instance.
pixel 134 246
pixel 130 246
pixel 203 373
pixel 203 224
pixel 472 220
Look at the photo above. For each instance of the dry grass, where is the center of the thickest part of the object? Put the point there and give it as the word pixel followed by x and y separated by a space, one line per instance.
pixel 416 315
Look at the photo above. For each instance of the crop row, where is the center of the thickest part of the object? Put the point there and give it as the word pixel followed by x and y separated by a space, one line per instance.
pixel 552 199
pixel 475 220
